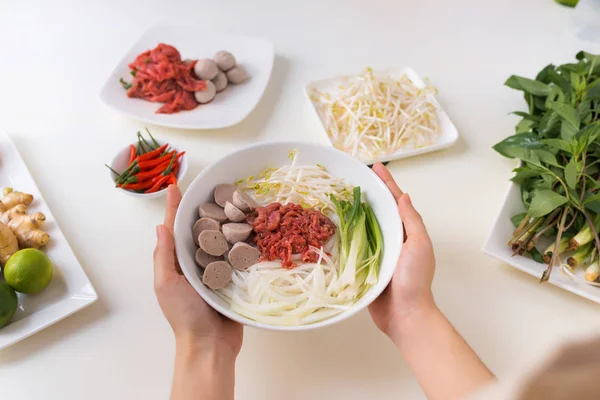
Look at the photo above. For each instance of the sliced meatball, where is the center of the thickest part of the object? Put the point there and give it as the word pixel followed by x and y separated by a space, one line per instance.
pixel 213 243
pixel 236 232
pixel 233 213
pixel 217 275
pixel 224 193
pixel 242 256
pixel 204 224
pixel 212 211
pixel 244 202
pixel 203 258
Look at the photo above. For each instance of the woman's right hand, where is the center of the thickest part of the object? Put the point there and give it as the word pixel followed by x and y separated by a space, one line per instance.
pixel 410 288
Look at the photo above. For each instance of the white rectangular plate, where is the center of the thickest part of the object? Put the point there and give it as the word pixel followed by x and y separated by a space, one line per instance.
pixel 70 290
pixel 496 246
pixel 449 133
pixel 228 108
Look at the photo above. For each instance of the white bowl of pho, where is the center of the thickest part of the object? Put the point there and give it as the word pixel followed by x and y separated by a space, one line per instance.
pixel 288 236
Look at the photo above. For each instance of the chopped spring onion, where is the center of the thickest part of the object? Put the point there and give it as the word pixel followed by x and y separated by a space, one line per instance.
pixel 369 116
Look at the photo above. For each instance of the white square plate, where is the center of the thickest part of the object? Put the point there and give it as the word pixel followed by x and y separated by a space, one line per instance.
pixel 496 246
pixel 228 108
pixel 449 133
pixel 70 290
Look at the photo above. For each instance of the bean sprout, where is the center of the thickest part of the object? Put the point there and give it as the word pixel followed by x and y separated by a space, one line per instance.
pixel 372 116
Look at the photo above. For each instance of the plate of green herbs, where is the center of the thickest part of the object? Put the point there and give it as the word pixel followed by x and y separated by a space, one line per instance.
pixel 551 215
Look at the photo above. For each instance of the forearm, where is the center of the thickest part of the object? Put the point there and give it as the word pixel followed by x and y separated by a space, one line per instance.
pixel 203 371
pixel 444 364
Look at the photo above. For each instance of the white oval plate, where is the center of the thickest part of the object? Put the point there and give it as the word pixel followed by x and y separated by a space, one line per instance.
pixel 228 108
pixel 449 133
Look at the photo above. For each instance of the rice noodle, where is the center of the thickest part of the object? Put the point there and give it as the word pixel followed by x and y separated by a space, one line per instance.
pixel 267 292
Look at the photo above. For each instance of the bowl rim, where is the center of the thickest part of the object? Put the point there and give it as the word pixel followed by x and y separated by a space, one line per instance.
pixel 180 174
pixel 373 293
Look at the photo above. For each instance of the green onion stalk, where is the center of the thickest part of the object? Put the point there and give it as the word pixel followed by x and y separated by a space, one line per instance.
pixel 580 255
pixel 562 247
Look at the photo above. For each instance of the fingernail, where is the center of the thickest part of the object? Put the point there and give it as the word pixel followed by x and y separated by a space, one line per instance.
pixel 407 199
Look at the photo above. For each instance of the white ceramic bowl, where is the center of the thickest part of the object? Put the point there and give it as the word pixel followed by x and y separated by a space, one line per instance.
pixel 254 159
pixel 121 162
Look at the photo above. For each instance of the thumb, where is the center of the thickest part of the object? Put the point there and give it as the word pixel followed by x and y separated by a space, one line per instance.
pixel 164 256
pixel 413 223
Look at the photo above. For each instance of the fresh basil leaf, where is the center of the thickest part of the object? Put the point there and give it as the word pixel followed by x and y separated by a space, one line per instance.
pixel 524 126
pixel 571 173
pixel 567 131
pixel 539 103
pixel 560 81
pixel 593 90
pixel 594 206
pixel 546 157
pixel 576 81
pixel 536 255
pixel 527 116
pixel 567 112
pixel 544 202
pixel 523 140
pixel 521 153
pixel 528 86
pixel 549 124
pixel 516 219
pixel 590 199
pixel 574 197
pixel 524 173
pixel 558 144
pixel 544 74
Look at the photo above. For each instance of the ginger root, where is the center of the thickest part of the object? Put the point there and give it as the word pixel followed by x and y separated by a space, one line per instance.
pixel 12 199
pixel 6 216
pixel 26 229
pixel 8 244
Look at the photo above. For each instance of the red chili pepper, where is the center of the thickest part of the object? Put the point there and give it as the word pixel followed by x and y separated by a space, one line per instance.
pixel 132 153
pixel 175 168
pixel 158 184
pixel 149 164
pixel 152 154
pixel 142 176
pixel 170 166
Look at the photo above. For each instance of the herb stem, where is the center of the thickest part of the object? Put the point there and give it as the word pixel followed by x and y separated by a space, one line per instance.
pixel 561 226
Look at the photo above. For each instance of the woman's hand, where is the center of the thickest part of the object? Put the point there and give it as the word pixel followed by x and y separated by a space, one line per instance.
pixel 193 321
pixel 444 364
pixel 410 288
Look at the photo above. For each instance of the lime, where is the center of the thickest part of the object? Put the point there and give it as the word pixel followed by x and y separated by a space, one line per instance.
pixel 28 271
pixel 570 3
pixel 8 303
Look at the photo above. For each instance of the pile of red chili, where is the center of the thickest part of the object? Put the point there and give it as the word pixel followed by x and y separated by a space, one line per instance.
pixel 283 230
pixel 159 75
pixel 152 167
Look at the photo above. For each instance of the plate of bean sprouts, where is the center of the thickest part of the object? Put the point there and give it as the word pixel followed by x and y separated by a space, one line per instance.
pixel 381 115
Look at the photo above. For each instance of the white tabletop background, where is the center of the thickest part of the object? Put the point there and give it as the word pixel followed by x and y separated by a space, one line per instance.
pixel 55 58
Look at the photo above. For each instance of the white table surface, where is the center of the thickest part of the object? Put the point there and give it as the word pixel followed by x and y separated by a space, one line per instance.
pixel 57 54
